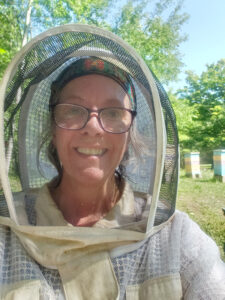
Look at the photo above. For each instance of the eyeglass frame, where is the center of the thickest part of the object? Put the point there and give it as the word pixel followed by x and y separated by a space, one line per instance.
pixel 98 111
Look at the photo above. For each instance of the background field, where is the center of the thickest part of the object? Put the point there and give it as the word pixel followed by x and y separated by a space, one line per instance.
pixel 203 199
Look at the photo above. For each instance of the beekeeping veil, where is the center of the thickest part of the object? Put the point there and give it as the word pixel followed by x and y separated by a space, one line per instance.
pixel 24 98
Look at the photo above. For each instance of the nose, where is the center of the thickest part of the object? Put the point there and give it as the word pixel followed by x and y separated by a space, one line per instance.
pixel 93 126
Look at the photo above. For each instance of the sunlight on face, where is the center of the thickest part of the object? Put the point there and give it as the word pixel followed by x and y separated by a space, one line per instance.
pixel 90 155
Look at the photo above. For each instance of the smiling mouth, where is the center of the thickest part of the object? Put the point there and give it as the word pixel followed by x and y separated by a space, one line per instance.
pixel 91 151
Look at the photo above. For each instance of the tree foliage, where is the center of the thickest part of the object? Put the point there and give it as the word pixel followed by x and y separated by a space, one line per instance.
pixel 44 14
pixel 205 95
pixel 10 35
pixel 155 33
pixel 184 119
pixel 57 12
pixel 152 27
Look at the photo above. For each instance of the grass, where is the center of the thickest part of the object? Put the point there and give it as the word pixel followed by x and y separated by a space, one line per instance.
pixel 14 184
pixel 203 199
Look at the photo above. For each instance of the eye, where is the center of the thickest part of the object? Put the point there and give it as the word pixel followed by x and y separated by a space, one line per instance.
pixel 113 113
pixel 73 111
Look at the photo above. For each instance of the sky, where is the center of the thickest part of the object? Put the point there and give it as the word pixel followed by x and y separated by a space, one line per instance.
pixel 206 36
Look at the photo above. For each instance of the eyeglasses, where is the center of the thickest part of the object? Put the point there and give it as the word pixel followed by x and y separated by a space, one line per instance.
pixel 75 117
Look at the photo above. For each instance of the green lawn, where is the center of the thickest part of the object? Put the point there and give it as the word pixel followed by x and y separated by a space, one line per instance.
pixel 203 199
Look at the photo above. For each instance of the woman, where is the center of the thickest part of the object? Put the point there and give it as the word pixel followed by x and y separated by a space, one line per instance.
pixel 91 115
pixel 96 215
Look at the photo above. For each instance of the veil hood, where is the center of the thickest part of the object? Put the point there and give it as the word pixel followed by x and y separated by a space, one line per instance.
pixel 24 102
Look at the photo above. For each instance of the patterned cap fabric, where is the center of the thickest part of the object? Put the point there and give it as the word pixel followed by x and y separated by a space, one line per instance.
pixel 94 65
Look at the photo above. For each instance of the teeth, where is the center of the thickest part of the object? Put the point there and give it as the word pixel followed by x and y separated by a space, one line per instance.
pixel 90 151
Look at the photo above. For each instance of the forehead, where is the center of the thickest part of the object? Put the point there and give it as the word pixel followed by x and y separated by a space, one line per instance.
pixel 94 88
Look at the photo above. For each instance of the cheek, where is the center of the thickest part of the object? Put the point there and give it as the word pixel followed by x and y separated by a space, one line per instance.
pixel 60 139
pixel 122 145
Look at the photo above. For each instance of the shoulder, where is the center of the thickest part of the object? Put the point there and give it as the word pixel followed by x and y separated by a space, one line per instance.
pixel 202 271
pixel 193 240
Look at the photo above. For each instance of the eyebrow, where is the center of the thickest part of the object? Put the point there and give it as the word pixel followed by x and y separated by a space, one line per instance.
pixel 110 101
pixel 73 97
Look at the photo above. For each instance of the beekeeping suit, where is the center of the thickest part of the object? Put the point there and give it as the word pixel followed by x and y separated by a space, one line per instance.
pixel 159 254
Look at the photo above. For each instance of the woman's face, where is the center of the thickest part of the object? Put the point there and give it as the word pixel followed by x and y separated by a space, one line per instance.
pixel 90 155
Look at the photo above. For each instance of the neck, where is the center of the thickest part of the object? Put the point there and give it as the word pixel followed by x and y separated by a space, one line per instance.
pixel 85 205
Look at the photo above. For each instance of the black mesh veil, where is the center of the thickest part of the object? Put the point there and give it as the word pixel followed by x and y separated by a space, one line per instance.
pixel 27 115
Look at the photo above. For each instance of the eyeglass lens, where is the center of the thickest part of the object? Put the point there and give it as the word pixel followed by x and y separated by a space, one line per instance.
pixel 74 117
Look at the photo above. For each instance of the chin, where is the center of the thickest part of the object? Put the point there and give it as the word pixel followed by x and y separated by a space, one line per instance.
pixel 91 176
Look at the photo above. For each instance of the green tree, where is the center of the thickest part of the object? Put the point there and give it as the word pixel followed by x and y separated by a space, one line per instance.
pixel 185 120
pixel 10 35
pixel 205 95
pixel 22 19
pixel 153 28
pixel 52 13
pixel 155 33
